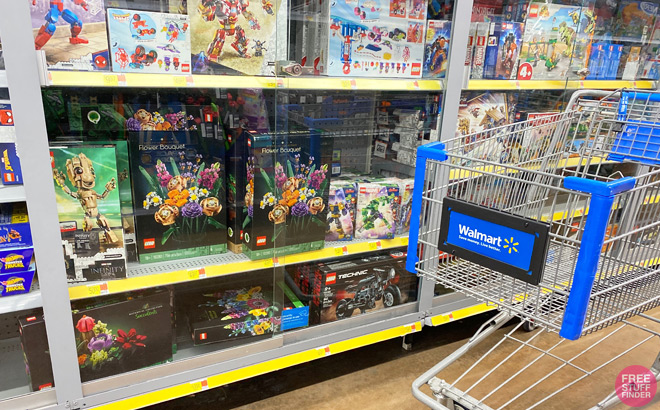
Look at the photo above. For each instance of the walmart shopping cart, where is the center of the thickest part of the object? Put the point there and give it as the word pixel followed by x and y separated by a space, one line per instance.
pixel 554 220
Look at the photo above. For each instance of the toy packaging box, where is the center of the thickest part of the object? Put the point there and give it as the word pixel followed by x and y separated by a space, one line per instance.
pixel 481 31
pixel 630 63
pixel 17 283
pixel 236 162
pixel 437 48
pixel 7 129
pixel 286 199
pixel 178 192
pixel 341 289
pixel 376 210
pixel 486 10
pixel 148 42
pixel 341 211
pixel 72 34
pixel 89 211
pixel 382 38
pixel 14 226
pixel 503 45
pixel 548 41
pixel 584 39
pixel 11 165
pixel 405 207
pixel 479 111
pixel 32 330
pixel 634 20
pixel 120 335
pixel 234 36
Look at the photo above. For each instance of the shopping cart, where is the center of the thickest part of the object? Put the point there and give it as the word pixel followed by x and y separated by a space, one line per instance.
pixel 554 220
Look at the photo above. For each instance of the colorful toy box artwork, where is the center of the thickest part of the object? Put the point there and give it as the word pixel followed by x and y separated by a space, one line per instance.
pixel 18 282
pixel 286 199
pixel 120 335
pixel 89 211
pixel 72 33
pixel 16 250
pixel 7 130
pixel 548 42
pixel 14 226
pixel 482 111
pixel 179 194
pixel 248 30
pixel 36 352
pixel 376 38
pixel 376 210
pixel 11 165
pixel 148 42
pixel 503 45
pixel 341 211
pixel 437 48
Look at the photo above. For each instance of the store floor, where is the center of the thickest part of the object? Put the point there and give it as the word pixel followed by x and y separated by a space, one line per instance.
pixel 379 377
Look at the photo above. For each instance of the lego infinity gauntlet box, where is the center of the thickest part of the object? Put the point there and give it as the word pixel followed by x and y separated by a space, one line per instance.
pixel 89 212
pixel 286 194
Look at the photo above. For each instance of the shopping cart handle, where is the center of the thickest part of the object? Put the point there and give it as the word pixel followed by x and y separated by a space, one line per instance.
pixel 434 150
pixel 594 187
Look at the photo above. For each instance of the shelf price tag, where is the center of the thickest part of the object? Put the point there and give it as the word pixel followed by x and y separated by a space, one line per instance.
pixel 199 385
pixel 374 246
pixel 179 81
pixel 268 263
pixel 413 85
pixel 278 83
pixel 194 274
pixel 110 80
pixel 341 250
pixel 349 84
pixel 324 351
pixel 98 289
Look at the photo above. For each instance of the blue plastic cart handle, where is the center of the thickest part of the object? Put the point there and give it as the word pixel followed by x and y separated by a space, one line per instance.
pixel 434 151
pixel 602 198
pixel 626 96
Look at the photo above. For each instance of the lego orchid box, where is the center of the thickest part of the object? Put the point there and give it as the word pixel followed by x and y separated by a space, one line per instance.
pixel 376 210
pixel 178 193
pixel 286 199
pixel 72 34
pixel 89 211
pixel 119 336
pixel 148 42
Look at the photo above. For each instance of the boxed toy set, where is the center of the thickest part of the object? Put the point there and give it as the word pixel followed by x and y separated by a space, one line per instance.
pixel 502 47
pixel 481 31
pixel 286 199
pixel 376 210
pixel 71 33
pixel 436 53
pixel 178 188
pixel 121 334
pixel 236 166
pixel 89 211
pixel 341 211
pixel 148 42
pixel 32 330
pixel 11 165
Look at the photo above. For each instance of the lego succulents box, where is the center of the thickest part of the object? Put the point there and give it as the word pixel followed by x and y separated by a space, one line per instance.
pixel 72 34
pixel 234 36
pixel 286 194
pixel 179 194
pixel 375 214
pixel 35 351
pixel 89 212
pixel 341 211
pixel 123 335
pixel 148 42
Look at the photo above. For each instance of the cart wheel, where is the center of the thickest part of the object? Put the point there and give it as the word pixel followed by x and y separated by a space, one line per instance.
pixel 529 326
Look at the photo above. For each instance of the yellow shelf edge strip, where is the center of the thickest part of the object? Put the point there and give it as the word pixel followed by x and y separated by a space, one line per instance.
pixel 173 392
pixel 460 314
pixel 557 84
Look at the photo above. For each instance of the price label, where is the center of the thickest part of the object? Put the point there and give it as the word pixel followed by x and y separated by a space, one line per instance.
pixel 194 274
pixel 271 84
pixel 268 263
pixel 200 385
pixel 413 85
pixel 341 250
pixel 121 78
pixel 324 351
pixel 525 71
pixel 374 246
pixel 349 84
pixel 110 80
pixel 276 261
pixel 179 81
pixel 98 289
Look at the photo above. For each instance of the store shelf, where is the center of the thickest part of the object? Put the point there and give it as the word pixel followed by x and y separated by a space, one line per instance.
pixel 159 274
pixel 441 319
pixel 100 79
pixel 16 303
pixel 12 193
pixel 558 84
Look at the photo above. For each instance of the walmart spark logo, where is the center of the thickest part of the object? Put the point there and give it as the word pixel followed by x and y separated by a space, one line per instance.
pixel 511 245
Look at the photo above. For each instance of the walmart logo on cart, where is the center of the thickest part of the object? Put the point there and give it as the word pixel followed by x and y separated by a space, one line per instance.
pixel 490 241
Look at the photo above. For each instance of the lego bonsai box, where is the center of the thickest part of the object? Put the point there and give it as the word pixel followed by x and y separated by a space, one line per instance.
pixel 376 210
pixel 89 211
pixel 341 211
pixel 179 192
pixel 120 335
pixel 343 288
pixel 287 194
pixel 36 352
pixel 72 33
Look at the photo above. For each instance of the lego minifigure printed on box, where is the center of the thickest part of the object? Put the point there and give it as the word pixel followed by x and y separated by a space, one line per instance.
pixel 10 167
pixel 72 34
pixel 502 47
pixel 383 38
pixel 149 42
pixel 376 209
pixel 89 212
pixel 233 36
pixel 341 211
pixel 437 48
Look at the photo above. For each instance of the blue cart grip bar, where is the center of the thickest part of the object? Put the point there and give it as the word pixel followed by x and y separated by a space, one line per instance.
pixel 602 198
pixel 433 151
pixel 626 96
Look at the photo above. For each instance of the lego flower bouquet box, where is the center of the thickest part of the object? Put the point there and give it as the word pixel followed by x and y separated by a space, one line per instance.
pixel 123 335
pixel 286 194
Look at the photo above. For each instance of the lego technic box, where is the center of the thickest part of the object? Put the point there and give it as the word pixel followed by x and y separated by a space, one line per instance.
pixel 437 48
pixel 148 42
pixel 231 36
pixel 178 189
pixel 503 45
pixel 548 42
pixel 341 211
pixel 382 38
pixel 89 211
pixel 376 210
pixel 115 336
pixel 286 199
pixel 72 34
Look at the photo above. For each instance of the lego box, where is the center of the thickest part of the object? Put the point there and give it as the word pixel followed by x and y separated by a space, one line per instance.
pixel 148 42
pixel 36 352
pixel 437 48
pixel 376 208
pixel 341 211
pixel 72 34
pixel 11 165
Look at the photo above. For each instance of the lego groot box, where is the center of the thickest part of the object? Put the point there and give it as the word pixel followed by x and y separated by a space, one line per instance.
pixel 376 210
pixel 148 42
pixel 119 335
pixel 229 36
pixel 178 192
pixel 36 353
pixel 89 211
pixel 344 288
pixel 436 53
pixel 341 211
pixel 72 34
pixel 286 199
